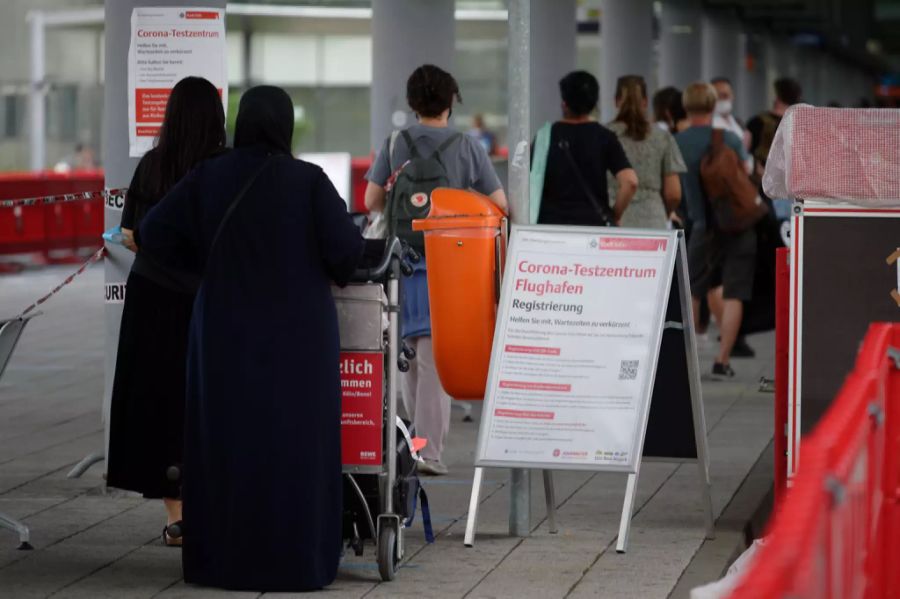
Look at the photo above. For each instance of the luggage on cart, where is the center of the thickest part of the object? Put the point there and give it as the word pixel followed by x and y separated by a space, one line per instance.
pixel 379 456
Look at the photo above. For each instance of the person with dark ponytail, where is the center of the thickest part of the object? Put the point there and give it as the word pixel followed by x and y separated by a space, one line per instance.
pixel 654 155
pixel 147 410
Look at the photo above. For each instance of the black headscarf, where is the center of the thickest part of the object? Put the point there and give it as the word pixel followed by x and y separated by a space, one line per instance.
pixel 265 117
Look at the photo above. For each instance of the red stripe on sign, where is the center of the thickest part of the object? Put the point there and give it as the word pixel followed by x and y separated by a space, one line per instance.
pixel 527 414
pixel 201 14
pixel 636 244
pixel 148 131
pixel 527 349
pixel 535 386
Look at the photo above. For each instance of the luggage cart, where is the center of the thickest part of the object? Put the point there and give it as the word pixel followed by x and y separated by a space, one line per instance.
pixel 372 355
pixel 10 331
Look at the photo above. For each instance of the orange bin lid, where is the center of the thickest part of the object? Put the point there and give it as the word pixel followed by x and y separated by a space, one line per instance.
pixel 434 223
pixel 457 202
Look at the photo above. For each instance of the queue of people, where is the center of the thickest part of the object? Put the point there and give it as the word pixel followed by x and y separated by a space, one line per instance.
pixel 227 383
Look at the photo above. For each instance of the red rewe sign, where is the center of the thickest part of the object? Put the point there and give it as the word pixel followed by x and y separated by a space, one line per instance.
pixel 634 244
pixel 362 422
pixel 201 14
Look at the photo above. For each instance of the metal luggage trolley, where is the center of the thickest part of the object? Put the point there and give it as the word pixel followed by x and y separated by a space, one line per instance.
pixel 372 356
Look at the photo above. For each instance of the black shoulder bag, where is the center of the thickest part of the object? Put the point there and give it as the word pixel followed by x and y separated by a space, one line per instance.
pixel 234 204
pixel 605 216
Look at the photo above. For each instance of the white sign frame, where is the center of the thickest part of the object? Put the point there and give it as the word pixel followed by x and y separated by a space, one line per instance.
pixel 802 210
pixel 675 264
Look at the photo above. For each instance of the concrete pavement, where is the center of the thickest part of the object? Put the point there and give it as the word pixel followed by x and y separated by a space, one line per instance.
pixel 91 543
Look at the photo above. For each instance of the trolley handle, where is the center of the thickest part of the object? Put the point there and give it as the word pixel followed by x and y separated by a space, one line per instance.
pixel 393 250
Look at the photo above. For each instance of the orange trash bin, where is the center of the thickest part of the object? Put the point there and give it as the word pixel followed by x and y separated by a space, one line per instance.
pixel 465 248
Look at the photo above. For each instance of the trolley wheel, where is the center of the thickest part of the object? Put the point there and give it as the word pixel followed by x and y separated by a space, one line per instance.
pixel 387 553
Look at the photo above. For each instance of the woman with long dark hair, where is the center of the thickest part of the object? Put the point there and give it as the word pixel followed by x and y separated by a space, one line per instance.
pixel 652 152
pixel 147 418
pixel 262 459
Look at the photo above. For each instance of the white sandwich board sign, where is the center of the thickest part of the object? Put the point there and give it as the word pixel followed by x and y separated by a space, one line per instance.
pixel 577 347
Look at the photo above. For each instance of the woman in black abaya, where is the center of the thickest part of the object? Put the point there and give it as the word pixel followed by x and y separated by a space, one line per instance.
pixel 262 483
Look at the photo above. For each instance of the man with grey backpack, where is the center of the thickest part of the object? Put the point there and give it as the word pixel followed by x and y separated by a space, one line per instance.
pixel 410 165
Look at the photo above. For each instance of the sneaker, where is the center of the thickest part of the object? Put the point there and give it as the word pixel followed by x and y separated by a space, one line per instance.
pixel 741 349
pixel 722 371
pixel 432 468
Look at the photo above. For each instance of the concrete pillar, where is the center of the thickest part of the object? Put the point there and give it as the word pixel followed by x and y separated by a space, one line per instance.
pixel 37 126
pixel 405 34
pixel 626 34
pixel 553 30
pixel 722 48
pixel 753 84
pixel 117 165
pixel 680 43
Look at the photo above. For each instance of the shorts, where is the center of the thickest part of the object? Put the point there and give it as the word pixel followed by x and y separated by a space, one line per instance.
pixel 720 259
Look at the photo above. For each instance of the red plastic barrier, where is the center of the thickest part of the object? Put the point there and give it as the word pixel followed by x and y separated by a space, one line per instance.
pixel 358 169
pixel 835 533
pixel 55 231
pixel 782 365
pixel 889 543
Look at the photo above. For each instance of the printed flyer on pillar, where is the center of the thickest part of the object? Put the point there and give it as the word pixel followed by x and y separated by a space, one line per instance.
pixel 581 320
pixel 168 44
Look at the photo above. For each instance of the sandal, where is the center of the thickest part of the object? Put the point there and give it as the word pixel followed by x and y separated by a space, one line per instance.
pixel 172 533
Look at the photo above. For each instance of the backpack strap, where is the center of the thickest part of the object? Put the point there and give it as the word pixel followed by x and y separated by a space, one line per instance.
pixel 392 143
pixel 422 497
pixel 717 140
pixel 426 516
pixel 446 144
pixel 410 144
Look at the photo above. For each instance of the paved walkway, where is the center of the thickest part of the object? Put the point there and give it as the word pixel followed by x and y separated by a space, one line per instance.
pixel 93 544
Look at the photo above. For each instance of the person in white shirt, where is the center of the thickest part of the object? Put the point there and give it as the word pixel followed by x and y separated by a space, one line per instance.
pixel 724 117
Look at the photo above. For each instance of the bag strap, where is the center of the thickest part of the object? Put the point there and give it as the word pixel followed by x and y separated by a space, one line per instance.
pixel 446 145
pixel 234 203
pixel 717 139
pixel 392 143
pixel 538 171
pixel 564 146
pixel 410 144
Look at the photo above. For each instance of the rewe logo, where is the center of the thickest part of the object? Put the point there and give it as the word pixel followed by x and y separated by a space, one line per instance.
pixel 418 199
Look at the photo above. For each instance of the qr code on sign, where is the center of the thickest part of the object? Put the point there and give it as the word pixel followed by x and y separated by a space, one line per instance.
pixel 628 370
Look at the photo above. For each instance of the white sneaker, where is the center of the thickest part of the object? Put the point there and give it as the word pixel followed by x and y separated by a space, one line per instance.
pixel 432 468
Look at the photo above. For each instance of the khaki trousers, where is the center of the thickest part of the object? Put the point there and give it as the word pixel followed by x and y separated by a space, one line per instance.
pixel 426 403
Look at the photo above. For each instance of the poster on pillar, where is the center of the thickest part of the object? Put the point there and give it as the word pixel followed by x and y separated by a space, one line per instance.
pixel 167 45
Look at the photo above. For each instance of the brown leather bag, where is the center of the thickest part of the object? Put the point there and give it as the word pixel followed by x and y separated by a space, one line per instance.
pixel 732 198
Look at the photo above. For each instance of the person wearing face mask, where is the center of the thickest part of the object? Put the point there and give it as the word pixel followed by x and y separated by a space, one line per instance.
pixel 724 116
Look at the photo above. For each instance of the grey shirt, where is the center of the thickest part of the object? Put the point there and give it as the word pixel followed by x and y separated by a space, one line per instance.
pixel 467 163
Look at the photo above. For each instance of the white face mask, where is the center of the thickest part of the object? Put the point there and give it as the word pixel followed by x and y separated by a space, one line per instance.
pixel 723 107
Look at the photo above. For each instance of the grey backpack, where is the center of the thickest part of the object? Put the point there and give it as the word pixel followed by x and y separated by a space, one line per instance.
pixel 410 196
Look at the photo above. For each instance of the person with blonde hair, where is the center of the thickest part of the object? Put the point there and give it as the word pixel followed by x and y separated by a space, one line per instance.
pixel 653 153
pixel 721 264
